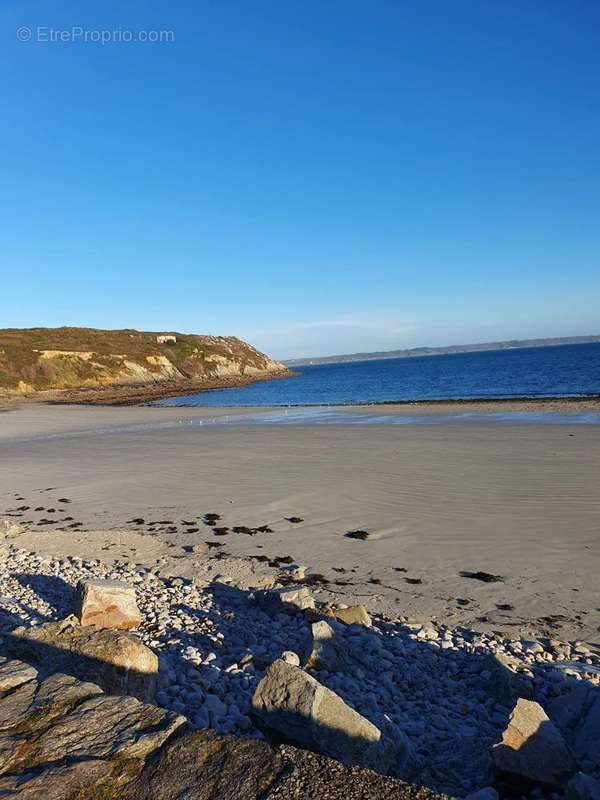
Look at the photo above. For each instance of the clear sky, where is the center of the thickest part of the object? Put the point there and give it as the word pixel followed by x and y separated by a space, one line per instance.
pixel 316 177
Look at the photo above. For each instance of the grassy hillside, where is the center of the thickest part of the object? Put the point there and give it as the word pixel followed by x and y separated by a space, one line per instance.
pixel 49 359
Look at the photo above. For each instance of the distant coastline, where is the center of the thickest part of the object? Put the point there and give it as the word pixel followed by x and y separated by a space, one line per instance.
pixel 415 352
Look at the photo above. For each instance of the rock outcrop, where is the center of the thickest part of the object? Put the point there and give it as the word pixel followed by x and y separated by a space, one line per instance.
pixel 61 736
pixel 36 360
pixel 119 662
pixel 107 604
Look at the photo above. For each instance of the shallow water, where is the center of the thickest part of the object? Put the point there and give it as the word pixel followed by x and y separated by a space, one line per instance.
pixel 328 416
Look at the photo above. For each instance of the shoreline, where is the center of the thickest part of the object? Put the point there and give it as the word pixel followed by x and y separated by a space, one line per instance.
pixel 123 397
pixel 136 394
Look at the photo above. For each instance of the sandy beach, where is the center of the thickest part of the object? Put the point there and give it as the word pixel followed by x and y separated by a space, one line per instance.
pixel 518 501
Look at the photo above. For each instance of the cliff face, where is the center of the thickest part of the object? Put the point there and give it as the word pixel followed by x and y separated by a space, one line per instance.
pixel 57 359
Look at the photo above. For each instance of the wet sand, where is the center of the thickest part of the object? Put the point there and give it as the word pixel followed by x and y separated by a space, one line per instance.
pixel 513 500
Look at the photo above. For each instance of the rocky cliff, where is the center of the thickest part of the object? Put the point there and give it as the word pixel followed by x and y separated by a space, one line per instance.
pixel 34 360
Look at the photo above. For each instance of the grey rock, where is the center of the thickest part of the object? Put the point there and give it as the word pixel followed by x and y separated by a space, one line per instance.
pixel 503 685
pixel 328 651
pixel 532 747
pixel 14 673
pixel 583 787
pixel 299 708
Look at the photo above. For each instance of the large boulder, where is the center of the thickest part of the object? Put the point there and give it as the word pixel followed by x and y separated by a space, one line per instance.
pixel 107 604
pixel 119 662
pixel 293 704
pixel 532 747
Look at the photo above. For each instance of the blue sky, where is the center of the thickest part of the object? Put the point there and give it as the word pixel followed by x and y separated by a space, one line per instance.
pixel 314 177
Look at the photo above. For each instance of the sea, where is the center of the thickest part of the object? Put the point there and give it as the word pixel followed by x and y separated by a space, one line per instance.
pixel 532 372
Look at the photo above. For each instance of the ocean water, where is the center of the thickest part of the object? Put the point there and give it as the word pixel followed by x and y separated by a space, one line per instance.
pixel 559 371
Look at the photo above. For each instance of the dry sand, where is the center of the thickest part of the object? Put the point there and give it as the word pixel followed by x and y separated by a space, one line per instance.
pixel 520 501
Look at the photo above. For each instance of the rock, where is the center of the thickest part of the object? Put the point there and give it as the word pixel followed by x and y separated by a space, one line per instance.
pixel 504 685
pixel 204 766
pixel 352 615
pixel 9 529
pixel 569 709
pixel 586 742
pixel 15 673
pixel 107 604
pixel 327 651
pixel 583 787
pixel 295 571
pixel 532 746
pixel 215 705
pixel 71 737
pixel 291 658
pixel 299 708
pixel 488 793
pixel 288 601
pixel 119 662
pixel 200 549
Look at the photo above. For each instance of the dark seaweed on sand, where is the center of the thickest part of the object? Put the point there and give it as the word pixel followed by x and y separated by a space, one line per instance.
pixel 486 577
pixel 362 535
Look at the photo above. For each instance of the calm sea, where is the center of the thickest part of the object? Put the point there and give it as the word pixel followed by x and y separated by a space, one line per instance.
pixel 559 371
